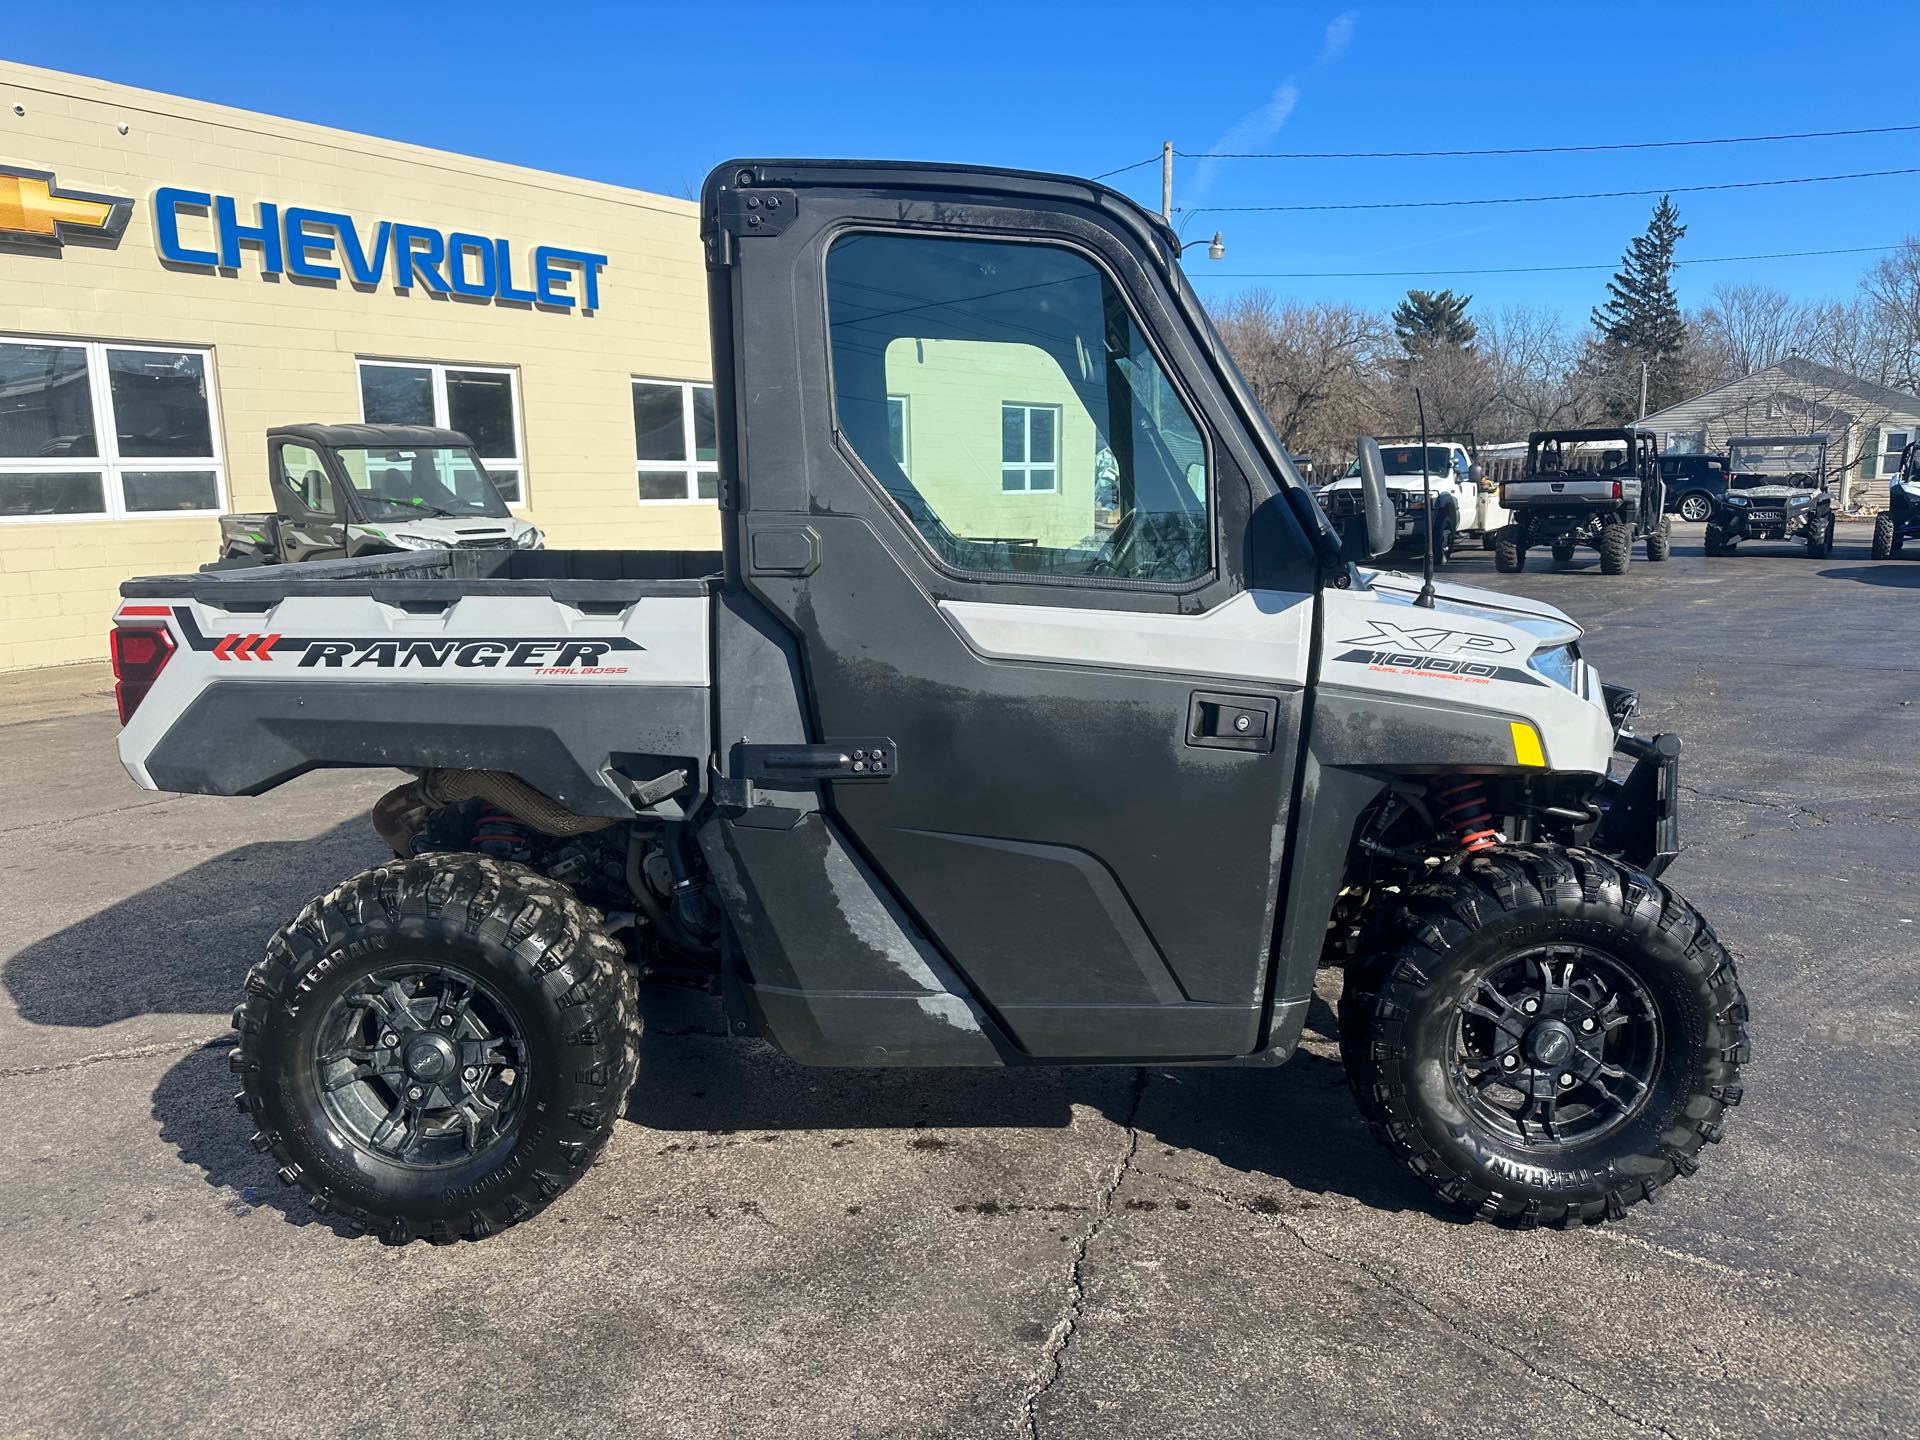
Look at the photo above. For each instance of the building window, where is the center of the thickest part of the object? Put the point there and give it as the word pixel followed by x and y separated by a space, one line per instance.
pixel 675 441
pixel 1892 443
pixel 90 430
pixel 1029 448
pixel 481 402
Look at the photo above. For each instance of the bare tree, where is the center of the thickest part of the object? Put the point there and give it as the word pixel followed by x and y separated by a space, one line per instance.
pixel 1891 297
pixel 1748 327
pixel 1315 368
pixel 1534 359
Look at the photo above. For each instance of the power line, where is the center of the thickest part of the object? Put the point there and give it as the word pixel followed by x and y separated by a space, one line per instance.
pixel 1542 199
pixel 1522 149
pixel 1150 160
pixel 1514 269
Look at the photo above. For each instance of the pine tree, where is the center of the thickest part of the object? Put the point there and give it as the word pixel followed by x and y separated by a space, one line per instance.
pixel 1641 320
pixel 1433 317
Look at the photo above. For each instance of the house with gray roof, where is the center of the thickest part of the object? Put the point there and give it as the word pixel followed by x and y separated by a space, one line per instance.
pixel 1868 424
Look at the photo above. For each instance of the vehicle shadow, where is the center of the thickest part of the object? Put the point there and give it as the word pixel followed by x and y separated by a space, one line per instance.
pixel 184 948
pixel 1895 574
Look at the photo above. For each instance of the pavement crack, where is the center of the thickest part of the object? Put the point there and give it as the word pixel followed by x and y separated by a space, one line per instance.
pixel 131 1052
pixel 1053 1359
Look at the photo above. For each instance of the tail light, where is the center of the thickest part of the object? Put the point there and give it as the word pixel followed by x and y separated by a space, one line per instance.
pixel 1619 491
pixel 140 653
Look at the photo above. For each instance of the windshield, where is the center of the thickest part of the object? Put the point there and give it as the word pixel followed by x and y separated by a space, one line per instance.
pixel 1791 462
pixel 397 483
pixel 1405 460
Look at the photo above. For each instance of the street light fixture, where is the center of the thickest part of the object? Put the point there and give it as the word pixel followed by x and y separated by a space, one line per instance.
pixel 1216 247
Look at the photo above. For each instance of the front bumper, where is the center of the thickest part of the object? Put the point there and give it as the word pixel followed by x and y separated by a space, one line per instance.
pixel 1640 811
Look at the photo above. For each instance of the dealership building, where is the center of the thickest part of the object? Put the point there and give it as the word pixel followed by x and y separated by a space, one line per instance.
pixel 177 277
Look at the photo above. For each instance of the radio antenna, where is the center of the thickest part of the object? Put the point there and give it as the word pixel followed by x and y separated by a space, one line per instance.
pixel 1425 597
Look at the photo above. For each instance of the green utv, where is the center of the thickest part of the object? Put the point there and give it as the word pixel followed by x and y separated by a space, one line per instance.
pixel 1032 713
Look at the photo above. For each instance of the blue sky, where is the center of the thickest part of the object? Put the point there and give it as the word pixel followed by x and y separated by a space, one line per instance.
pixel 653 95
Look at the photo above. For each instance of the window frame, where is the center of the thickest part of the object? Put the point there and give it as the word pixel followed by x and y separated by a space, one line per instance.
pixel 1889 452
pixel 1176 382
pixel 110 464
pixel 1027 466
pixel 905 458
pixel 690 469
pixel 437 374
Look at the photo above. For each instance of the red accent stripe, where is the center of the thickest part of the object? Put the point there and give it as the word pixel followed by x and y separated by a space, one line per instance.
pixel 129 610
pixel 264 650
pixel 220 650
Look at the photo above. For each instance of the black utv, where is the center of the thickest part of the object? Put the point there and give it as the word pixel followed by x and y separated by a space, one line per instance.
pixel 1586 487
pixel 1900 521
pixel 1776 490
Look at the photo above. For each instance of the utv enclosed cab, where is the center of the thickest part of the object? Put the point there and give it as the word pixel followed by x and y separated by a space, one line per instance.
pixel 350 490
pixel 1033 716
pixel 1776 490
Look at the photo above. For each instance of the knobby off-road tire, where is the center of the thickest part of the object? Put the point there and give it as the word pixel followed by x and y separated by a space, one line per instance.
pixel 1885 544
pixel 1459 937
pixel 1716 541
pixel 1660 542
pixel 1509 555
pixel 1616 549
pixel 364 1001
pixel 1820 538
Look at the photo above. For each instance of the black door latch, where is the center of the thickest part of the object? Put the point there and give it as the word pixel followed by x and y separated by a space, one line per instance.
pixel 806 764
pixel 1231 722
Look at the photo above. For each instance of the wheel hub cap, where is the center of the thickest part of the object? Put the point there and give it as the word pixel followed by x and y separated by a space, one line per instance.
pixel 431 1057
pixel 1550 1043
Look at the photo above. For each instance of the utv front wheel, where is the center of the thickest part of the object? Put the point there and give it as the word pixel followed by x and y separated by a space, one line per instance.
pixel 1551 1037
pixel 1820 538
pixel 437 1047
pixel 1616 549
pixel 1885 544
pixel 1660 541
pixel 1509 555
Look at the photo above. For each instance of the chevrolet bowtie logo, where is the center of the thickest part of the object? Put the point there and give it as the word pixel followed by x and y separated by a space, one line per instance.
pixel 35 211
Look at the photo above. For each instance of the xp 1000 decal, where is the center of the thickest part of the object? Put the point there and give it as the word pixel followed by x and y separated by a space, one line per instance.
pixel 535 654
pixel 1436 652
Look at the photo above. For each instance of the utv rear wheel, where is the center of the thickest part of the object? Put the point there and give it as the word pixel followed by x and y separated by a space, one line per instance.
pixel 1549 1038
pixel 437 1047
pixel 1660 542
pixel 1616 549
pixel 1885 544
pixel 1509 555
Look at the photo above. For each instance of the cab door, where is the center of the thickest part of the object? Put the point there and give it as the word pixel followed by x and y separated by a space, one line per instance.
pixel 981 460
pixel 313 521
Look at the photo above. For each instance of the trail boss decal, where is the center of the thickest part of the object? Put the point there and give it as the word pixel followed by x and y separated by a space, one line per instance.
pixel 1434 652
pixel 540 654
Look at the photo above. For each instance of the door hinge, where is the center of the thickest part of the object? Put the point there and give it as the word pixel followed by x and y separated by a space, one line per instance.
pixel 747 213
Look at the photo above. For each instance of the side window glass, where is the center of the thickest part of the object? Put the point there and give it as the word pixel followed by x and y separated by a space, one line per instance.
pixel 303 473
pixel 1003 396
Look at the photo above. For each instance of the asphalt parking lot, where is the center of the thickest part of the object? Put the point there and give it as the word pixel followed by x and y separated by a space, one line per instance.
pixel 772 1251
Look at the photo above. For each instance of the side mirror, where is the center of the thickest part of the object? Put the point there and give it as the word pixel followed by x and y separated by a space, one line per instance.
pixel 1373 534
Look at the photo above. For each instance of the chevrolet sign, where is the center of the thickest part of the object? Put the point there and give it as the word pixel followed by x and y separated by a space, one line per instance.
pixel 36 211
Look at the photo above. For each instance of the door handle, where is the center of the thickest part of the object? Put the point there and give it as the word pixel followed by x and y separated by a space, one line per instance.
pixel 1231 722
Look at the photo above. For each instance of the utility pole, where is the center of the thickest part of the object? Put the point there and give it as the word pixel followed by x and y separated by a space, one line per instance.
pixel 1166 181
pixel 1643 389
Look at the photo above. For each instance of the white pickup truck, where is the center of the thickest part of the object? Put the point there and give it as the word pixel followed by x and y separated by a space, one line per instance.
pixel 1462 504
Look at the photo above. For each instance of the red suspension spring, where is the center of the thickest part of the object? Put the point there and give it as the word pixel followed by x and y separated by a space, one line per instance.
pixel 1461 806
pixel 495 832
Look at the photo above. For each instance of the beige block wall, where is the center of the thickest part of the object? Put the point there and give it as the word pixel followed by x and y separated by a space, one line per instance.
pixel 285 350
pixel 954 391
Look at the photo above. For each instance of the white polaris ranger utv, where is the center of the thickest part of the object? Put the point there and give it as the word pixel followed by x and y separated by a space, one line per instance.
pixel 1032 714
